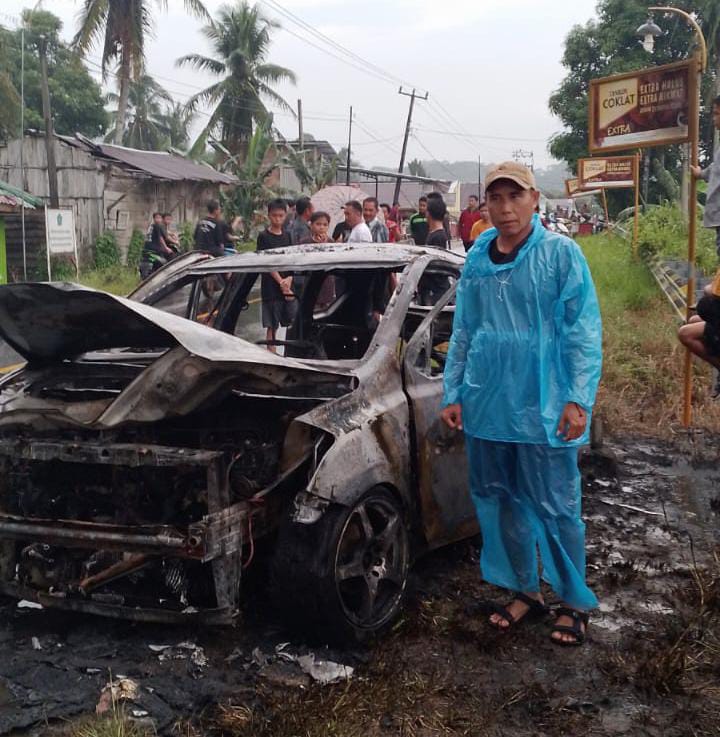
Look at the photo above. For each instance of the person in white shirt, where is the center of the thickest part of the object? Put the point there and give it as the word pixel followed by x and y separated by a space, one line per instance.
pixel 378 229
pixel 360 232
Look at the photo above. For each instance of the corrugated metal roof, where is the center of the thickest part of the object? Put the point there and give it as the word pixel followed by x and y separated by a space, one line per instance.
pixel 159 164
pixel 15 197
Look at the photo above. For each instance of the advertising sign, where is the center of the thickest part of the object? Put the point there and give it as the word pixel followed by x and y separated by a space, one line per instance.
pixel 650 107
pixel 574 189
pixel 607 172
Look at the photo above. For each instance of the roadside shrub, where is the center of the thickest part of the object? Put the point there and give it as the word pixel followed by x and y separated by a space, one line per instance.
pixel 663 231
pixel 107 253
pixel 63 268
pixel 186 237
pixel 134 254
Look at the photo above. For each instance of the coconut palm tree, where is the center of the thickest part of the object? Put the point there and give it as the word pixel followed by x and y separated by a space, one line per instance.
pixel 313 172
pixel 240 39
pixel 122 27
pixel 248 198
pixel 177 120
pixel 147 127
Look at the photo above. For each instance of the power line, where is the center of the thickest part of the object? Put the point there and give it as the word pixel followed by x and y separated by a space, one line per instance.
pixel 482 136
pixel 365 65
pixel 433 158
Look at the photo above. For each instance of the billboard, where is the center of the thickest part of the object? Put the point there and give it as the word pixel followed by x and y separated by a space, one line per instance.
pixel 607 172
pixel 649 107
pixel 573 188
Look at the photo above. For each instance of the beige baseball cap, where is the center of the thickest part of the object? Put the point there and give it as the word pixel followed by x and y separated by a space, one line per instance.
pixel 521 175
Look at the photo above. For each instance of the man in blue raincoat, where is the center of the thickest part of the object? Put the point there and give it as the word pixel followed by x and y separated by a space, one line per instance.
pixel 521 377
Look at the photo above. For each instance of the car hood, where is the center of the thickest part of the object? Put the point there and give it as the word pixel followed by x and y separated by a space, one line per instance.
pixel 48 322
pixel 51 324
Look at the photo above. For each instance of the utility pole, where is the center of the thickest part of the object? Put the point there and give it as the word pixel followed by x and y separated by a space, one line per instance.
pixel 347 171
pixel 301 135
pixel 526 158
pixel 412 95
pixel 22 144
pixel 49 137
pixel 480 187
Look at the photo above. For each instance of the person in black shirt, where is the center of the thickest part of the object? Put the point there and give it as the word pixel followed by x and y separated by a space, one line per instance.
pixel 156 252
pixel 433 286
pixel 212 232
pixel 279 303
pixel 342 230
pixel 418 223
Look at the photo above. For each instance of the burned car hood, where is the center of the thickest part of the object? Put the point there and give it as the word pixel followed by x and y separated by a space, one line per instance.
pixel 51 324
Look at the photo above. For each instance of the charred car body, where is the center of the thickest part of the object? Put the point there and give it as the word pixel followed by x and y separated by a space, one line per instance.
pixel 150 446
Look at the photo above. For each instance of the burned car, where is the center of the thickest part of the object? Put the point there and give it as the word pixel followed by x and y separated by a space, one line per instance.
pixel 154 448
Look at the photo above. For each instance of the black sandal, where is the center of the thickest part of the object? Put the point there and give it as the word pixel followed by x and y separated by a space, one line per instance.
pixel 575 629
pixel 536 610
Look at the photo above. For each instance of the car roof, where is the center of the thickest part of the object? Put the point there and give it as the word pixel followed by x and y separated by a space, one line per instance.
pixel 320 256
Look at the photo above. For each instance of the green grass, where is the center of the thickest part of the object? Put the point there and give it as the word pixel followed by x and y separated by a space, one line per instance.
pixel 641 387
pixel 119 280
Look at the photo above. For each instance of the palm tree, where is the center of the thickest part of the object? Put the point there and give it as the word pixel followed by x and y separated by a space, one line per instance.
pixel 177 120
pixel 147 127
pixel 240 38
pixel 253 192
pixel 122 26
pixel 314 172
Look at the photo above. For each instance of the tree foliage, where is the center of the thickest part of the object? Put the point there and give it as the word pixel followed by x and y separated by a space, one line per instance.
pixel 417 168
pixel 76 99
pixel 253 192
pixel 240 38
pixel 121 27
pixel 147 102
pixel 313 171
pixel 609 45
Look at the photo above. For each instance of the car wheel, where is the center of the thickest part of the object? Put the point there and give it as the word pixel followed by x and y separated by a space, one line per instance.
pixel 345 575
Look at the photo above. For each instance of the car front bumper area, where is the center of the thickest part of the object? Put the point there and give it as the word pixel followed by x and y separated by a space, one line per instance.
pixel 145 572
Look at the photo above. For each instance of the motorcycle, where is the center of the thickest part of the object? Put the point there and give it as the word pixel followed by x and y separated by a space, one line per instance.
pixel 151 261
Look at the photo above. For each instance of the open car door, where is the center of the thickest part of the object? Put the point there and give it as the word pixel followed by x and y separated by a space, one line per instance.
pixel 448 513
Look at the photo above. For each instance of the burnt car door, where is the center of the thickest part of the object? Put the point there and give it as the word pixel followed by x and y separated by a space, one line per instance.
pixel 446 507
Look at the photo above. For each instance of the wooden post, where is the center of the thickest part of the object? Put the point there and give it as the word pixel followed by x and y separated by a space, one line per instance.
pixel 636 219
pixel 605 207
pixel 694 124
pixel 49 135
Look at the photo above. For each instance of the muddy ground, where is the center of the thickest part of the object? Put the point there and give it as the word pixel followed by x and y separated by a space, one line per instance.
pixel 651 666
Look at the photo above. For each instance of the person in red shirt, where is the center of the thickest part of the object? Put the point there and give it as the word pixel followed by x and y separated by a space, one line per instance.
pixel 391 224
pixel 468 217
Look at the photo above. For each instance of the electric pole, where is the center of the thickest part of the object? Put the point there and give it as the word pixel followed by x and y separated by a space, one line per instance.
pixel 301 135
pixel 49 137
pixel 480 187
pixel 412 95
pixel 526 158
pixel 347 171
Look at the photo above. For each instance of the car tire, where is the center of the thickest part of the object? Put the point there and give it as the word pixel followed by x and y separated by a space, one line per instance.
pixel 344 577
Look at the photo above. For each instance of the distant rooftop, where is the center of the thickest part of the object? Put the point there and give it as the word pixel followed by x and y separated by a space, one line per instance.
pixel 157 164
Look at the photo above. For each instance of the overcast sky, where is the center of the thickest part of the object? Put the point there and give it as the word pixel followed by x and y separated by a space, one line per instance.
pixel 489 67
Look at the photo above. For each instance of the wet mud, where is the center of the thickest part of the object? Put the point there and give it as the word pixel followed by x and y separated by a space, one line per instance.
pixel 651 665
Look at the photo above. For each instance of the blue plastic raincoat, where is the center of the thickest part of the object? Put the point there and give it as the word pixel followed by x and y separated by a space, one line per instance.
pixel 527 339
